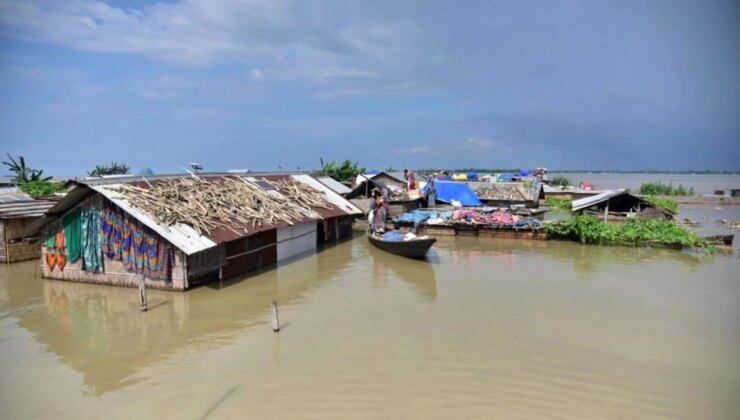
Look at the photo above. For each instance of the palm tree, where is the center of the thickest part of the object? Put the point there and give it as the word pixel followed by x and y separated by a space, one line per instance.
pixel 22 172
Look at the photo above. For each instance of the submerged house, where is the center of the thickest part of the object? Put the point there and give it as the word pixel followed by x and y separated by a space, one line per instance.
pixel 17 212
pixel 500 194
pixel 181 230
pixel 620 205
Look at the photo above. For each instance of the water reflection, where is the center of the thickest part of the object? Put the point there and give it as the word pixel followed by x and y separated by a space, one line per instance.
pixel 100 332
pixel 419 274
pixel 584 258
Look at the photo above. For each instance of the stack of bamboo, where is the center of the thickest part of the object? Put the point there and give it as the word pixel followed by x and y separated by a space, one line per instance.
pixel 208 204
pixel 302 193
pixel 500 192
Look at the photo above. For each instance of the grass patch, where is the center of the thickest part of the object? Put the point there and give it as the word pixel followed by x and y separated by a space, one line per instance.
pixel 670 205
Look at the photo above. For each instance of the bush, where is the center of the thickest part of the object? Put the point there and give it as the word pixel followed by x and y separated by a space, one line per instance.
pixel 559 203
pixel 670 205
pixel 560 181
pixel 590 230
pixel 41 188
pixel 658 188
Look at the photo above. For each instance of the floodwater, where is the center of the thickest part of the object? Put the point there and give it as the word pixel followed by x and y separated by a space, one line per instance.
pixel 702 184
pixel 483 329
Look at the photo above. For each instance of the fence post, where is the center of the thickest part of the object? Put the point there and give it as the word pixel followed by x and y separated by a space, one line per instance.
pixel 275 319
pixel 142 294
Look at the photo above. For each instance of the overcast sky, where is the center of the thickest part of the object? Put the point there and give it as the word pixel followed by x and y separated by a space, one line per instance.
pixel 260 84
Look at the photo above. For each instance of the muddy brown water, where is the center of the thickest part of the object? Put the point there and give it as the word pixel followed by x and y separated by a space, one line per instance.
pixel 483 329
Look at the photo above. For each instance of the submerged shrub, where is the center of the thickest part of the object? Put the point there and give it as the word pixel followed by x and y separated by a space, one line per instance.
pixel 590 230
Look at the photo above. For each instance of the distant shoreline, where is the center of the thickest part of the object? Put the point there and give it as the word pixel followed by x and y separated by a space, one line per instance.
pixel 585 171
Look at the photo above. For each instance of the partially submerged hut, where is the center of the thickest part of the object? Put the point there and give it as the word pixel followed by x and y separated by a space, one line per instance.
pixel 17 211
pixel 620 205
pixel 400 201
pixel 498 194
pixel 181 230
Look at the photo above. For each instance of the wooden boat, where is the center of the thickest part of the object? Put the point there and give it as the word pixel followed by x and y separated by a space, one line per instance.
pixel 414 248
pixel 722 240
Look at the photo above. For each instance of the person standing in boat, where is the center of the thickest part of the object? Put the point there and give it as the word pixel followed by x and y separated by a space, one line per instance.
pixel 380 204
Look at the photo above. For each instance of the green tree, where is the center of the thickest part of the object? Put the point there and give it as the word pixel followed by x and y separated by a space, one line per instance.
pixel 22 172
pixel 115 168
pixel 341 172
pixel 560 181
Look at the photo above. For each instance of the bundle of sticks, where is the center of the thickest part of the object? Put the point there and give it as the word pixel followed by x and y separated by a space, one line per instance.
pixel 302 193
pixel 500 192
pixel 227 202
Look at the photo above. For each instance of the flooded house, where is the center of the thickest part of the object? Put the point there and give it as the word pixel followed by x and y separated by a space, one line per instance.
pixel 620 205
pixel 400 199
pixel 177 231
pixel 17 212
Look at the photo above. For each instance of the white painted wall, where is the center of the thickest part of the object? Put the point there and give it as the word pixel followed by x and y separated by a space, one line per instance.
pixel 296 239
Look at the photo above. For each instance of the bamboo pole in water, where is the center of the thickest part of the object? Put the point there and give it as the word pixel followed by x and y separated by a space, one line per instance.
pixel 275 319
pixel 142 295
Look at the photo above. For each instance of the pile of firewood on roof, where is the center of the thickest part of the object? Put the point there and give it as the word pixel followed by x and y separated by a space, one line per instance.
pixel 231 203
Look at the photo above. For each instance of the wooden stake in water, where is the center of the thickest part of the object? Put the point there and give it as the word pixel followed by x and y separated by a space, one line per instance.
pixel 275 319
pixel 142 294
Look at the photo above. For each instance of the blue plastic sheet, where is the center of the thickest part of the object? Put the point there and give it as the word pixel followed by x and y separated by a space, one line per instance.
pixel 414 216
pixel 393 236
pixel 458 191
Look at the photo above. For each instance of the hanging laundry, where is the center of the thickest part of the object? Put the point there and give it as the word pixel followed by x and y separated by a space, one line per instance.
pixel 141 251
pixel 51 242
pixel 59 245
pixel 111 220
pixel 91 253
pixel 166 263
pixel 73 234
pixel 51 259
pixel 151 254
pixel 61 261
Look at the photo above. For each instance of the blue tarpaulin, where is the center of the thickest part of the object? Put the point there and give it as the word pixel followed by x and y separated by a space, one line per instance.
pixel 458 191
pixel 472 176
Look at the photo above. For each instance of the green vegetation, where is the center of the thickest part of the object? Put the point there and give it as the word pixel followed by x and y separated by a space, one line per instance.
pixel 31 181
pixel 559 203
pixel 22 172
pixel 560 181
pixel 664 203
pixel 39 189
pixel 590 230
pixel 343 172
pixel 115 168
pixel 658 188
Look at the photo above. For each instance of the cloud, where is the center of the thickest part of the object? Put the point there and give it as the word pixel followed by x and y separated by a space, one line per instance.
pixel 289 40
pixel 477 144
pixel 415 150
pixel 257 74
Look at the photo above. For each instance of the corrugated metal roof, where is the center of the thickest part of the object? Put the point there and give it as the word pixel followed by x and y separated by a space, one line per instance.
pixel 587 202
pixel 335 185
pixel 18 209
pixel 14 197
pixel 22 205
pixel 180 235
pixel 183 236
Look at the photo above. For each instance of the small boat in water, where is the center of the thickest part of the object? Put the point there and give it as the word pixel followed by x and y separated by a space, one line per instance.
pixel 721 240
pixel 412 248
